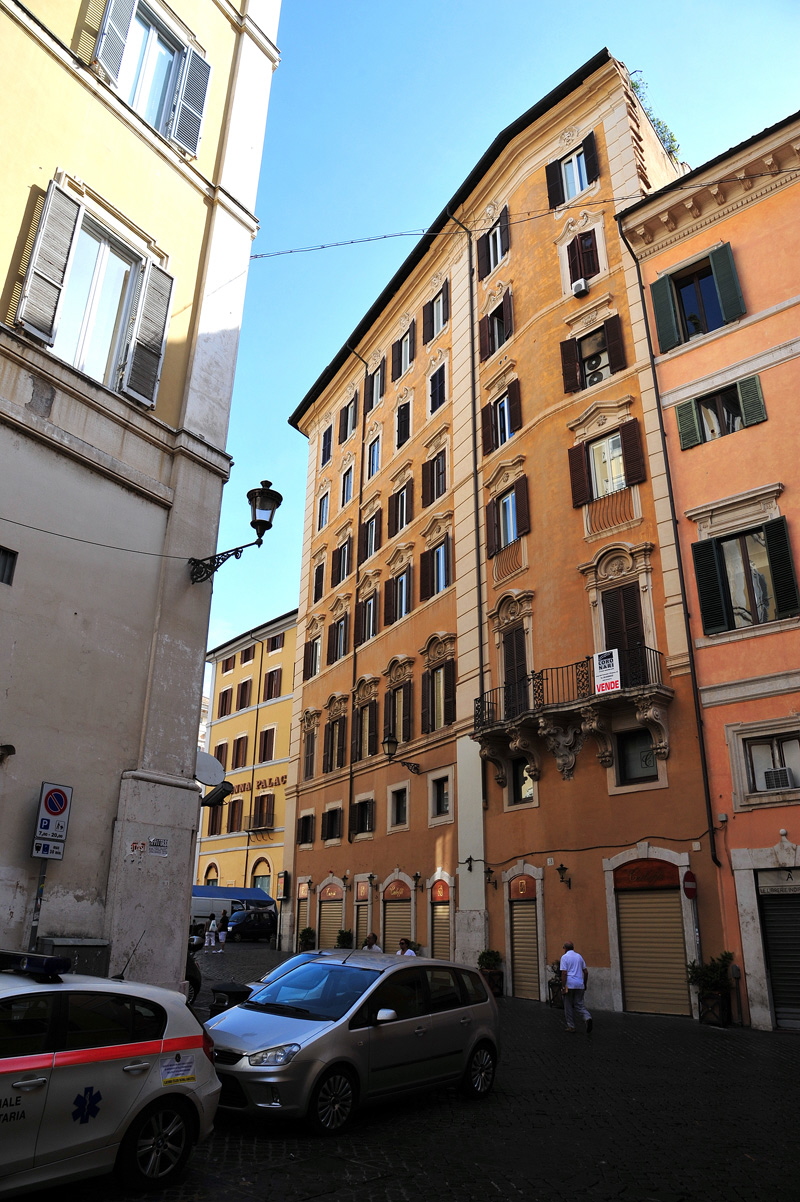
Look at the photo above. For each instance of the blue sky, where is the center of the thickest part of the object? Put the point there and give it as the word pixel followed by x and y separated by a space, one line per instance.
pixel 378 112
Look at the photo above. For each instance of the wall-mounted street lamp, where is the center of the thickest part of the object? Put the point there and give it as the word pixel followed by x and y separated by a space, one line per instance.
pixel 264 501
pixel 489 874
pixel 373 881
pixel 389 746
pixel 416 878
pixel 562 871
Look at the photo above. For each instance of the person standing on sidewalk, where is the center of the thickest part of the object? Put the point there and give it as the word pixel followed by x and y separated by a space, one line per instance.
pixel 222 931
pixel 574 979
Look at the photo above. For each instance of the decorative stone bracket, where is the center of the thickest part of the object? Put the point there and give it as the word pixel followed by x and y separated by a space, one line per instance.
pixel 592 724
pixel 564 742
pixel 521 743
pixel 651 713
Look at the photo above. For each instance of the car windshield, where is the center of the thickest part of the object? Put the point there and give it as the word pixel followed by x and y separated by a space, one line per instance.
pixel 315 990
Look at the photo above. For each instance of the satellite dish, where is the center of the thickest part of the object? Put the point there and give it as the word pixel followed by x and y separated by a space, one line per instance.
pixel 208 770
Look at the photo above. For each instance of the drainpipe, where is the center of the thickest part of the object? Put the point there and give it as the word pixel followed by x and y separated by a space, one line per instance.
pixel 698 713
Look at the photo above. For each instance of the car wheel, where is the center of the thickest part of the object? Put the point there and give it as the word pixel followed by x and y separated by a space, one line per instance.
pixel 157 1146
pixel 333 1102
pixel 191 994
pixel 479 1074
pixel 236 937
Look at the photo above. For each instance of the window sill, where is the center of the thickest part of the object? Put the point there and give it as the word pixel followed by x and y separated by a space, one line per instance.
pixel 747 632
pixel 773 797
pixel 393 830
pixel 361 836
pixel 572 202
pixel 440 819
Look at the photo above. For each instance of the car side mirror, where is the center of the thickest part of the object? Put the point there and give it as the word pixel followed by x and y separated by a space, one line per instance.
pixel 386 1016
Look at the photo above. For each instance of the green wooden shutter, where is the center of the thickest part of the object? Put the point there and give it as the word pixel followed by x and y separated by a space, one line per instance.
pixel 727 281
pixel 784 581
pixel 711 590
pixel 752 401
pixel 689 431
pixel 46 276
pixel 666 316
pixel 113 35
pixel 187 117
pixel 145 352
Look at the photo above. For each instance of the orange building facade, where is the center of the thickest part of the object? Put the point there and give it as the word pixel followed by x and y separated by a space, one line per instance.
pixel 718 256
pixel 495 738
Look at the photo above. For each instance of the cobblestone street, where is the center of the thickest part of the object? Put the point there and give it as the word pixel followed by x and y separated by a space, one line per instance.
pixel 646 1109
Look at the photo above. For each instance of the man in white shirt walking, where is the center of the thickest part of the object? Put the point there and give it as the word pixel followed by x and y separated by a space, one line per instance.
pixel 574 979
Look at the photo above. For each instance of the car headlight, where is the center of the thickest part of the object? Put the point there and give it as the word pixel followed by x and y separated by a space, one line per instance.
pixel 281 1055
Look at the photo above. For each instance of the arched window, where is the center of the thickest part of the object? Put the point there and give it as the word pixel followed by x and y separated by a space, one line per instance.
pixel 212 876
pixel 262 875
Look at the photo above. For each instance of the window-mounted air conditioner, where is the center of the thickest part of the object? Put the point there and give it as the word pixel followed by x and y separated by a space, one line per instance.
pixel 778 778
pixel 580 288
pixel 596 368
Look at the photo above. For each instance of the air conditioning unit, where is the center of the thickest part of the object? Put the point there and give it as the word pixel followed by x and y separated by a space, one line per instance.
pixel 596 368
pixel 580 288
pixel 778 778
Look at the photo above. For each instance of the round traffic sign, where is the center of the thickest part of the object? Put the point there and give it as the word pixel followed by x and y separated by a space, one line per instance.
pixel 690 884
pixel 55 802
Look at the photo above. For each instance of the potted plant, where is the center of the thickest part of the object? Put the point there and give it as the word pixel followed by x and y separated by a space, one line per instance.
pixel 489 962
pixel 556 997
pixel 344 939
pixel 306 939
pixel 713 984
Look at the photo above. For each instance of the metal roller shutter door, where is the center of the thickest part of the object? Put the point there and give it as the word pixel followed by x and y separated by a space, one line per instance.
pixel 396 923
pixel 524 950
pixel 361 925
pixel 440 931
pixel 781 918
pixel 302 916
pixel 653 951
pixel 330 922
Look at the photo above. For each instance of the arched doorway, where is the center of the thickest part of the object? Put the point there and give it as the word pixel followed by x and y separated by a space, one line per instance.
pixel 211 878
pixel 523 922
pixel 262 875
pixel 652 944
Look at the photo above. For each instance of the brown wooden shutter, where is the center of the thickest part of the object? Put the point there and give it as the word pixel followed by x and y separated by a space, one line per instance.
pixel 504 230
pixel 591 163
pixel 484 339
pixel 412 340
pixel 382 380
pixel 347 558
pixel 579 475
pixel 483 256
pixel 446 301
pixel 396 360
pixel 355 408
pixel 427 483
pixel 515 666
pixel 392 516
pixel 277 676
pixel 407 703
pixel 332 643
pixel 555 184
pixel 327 748
pixel 425 575
pixel 449 691
pixel 614 344
pixel 622 617
pixel 336 565
pixel 343 425
pixel 574 260
pixel 508 314
pixel 427 322
pixel 521 502
pixel 388 713
pixel 448 570
pixel 341 740
pixel 319 581
pixel 487 427
pixel 358 631
pixel 308 652
pixel 403 423
pixel 355 737
pixel 409 487
pixel 491 529
pixel 632 453
pixel 362 542
pixel 378 529
pixel 514 406
pixel 372 748
pixel 346 634
pixel 388 602
pixel 571 366
pixel 590 262
pixel 426 703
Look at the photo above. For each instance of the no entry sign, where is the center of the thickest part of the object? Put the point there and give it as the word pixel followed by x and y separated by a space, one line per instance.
pixel 690 884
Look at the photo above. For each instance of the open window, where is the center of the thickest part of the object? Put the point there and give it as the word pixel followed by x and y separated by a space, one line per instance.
pixel 569 176
pixel 698 298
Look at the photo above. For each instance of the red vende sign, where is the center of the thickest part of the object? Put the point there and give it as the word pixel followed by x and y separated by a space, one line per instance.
pixel 690 884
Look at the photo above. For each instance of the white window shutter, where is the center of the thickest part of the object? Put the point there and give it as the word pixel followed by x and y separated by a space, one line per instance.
pixel 145 351
pixel 46 276
pixel 113 35
pixel 187 116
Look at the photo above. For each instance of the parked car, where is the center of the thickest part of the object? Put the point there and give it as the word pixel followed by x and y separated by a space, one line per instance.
pixel 208 900
pixel 97 1075
pixel 346 1028
pixel 251 924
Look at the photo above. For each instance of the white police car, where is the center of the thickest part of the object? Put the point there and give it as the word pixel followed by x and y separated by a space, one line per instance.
pixel 97 1075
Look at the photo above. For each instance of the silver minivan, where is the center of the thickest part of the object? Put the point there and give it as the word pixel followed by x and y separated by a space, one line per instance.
pixel 347 1027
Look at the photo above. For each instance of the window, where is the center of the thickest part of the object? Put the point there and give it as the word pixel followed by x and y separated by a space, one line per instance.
pixel 434 478
pixel 496 327
pixel 348 418
pixel 373 457
pixel 264 811
pixel 521 784
pixel 319 581
pixel 159 78
pixel 327 441
pixel 337 639
pixel 312 658
pixel 305 829
pixel 334 750
pixel 373 393
pixel 434 570
pixel 582 257
pixel 590 360
pixel 221 754
pixel 366 619
pixel 234 815
pixel 243 694
pixel 493 245
pixel 439 697
pixel 567 177
pixel 700 298
pixel 229 664
pixel 397 597
pixel 322 511
pixel 773 763
pixel 8 562
pixel 262 876
pixel 601 467
pixel 403 423
pixel 225 703
pixel 437 389
pixel 398 807
pixel 365 731
pixel 362 817
pixel 636 759
pixel 398 712
pixel 436 313
pixel 239 758
pixel 347 485
pixel 404 351
pixel 720 413
pixel 401 508
pixel 341 561
pixel 309 753
pixel 266 745
pixel 248 654
pixel 102 307
pixel 369 536
pixel 441 796
pixel 275 642
pixel 332 824
pixel 501 418
pixel 507 517
pixel 746 579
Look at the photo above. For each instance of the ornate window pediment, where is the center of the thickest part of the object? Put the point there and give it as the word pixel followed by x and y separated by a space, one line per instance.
pixel 366 690
pixel 374 361
pixel 404 397
pixel 437 358
pixel 337 705
pixel 340 606
pixel 439 525
pixel 599 417
pixel 402 474
pixel 504 475
pixel 438 440
pixel 736 512
pixel 403 324
pixel 613 564
pixel 400 669
pixel 350 391
pixel 315 624
pixel 511 609
pixel 368 583
pixel 310 720
pixel 440 646
pixel 598 310
pixel 323 486
pixel 319 554
pixel 504 371
pixel 494 296
pixel 400 557
pixel 348 459
pixel 344 531
pixel 371 505
pixel 373 430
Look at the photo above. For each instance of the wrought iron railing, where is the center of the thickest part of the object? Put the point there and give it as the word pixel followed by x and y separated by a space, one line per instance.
pixel 565 685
